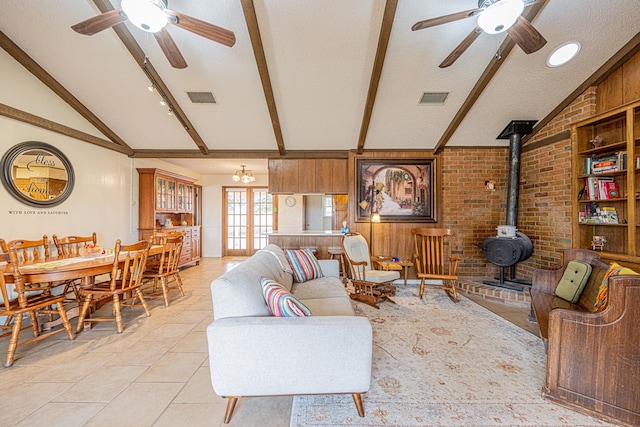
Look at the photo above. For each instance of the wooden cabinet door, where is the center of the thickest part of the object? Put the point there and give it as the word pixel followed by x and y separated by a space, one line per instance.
pixel 323 175
pixel 283 176
pixel 195 243
pixel 307 176
pixel 339 181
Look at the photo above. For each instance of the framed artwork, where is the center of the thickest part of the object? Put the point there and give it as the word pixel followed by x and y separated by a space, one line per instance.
pixel 399 190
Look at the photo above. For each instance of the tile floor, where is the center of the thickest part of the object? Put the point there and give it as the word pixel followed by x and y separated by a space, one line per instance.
pixel 155 373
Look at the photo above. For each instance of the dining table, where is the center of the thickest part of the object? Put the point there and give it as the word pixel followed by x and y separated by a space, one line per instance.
pixel 62 269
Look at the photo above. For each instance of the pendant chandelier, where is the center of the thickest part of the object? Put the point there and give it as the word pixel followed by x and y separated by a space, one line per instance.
pixel 243 175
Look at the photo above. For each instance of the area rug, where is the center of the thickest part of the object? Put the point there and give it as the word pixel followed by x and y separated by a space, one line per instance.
pixel 437 363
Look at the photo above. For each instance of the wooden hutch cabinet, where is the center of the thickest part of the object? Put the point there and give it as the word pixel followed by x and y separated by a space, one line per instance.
pixel 606 171
pixel 166 198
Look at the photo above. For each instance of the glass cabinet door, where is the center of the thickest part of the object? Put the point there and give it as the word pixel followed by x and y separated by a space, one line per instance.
pixel 188 198
pixel 161 193
pixel 181 197
pixel 171 195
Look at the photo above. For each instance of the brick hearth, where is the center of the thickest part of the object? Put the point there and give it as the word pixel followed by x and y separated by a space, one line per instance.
pixel 474 285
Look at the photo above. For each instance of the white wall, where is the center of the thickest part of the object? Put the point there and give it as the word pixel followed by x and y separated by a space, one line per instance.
pixel 291 218
pixel 102 199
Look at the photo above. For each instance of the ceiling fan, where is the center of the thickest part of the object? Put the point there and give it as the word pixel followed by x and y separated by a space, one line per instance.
pixel 152 16
pixel 494 16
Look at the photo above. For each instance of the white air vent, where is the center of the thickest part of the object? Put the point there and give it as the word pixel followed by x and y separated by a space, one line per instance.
pixel 433 98
pixel 201 97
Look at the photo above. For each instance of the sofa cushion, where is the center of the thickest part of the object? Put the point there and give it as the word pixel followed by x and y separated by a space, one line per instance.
pixel 238 292
pixel 329 306
pixel 279 255
pixel 281 302
pixel 573 280
pixel 324 287
pixel 304 264
pixel 603 292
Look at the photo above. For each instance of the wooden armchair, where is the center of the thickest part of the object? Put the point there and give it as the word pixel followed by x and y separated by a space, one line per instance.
pixel 370 286
pixel 30 299
pixel 166 269
pixel 126 278
pixel 434 259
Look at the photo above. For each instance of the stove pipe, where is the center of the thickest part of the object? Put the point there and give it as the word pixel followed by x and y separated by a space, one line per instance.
pixel 514 132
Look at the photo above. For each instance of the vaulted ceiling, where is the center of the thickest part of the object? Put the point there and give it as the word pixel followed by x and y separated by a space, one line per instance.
pixel 305 77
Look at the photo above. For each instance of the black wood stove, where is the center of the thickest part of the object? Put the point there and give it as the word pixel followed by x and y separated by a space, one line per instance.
pixel 508 251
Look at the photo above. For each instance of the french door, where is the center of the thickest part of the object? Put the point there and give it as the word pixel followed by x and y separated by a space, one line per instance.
pixel 248 217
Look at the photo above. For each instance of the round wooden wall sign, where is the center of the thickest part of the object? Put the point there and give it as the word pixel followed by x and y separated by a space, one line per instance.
pixel 37 174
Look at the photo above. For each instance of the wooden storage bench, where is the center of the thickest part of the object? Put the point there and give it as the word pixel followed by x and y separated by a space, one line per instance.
pixel 593 359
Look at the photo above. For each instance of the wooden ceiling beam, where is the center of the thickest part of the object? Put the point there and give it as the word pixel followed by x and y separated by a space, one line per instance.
pixel 615 62
pixel 263 70
pixel 378 63
pixel 41 74
pixel 241 154
pixel 41 122
pixel 484 80
pixel 141 59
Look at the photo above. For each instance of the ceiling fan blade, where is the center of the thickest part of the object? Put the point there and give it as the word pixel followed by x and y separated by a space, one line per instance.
pixel 202 28
pixel 444 19
pixel 100 22
pixel 459 50
pixel 526 36
pixel 170 49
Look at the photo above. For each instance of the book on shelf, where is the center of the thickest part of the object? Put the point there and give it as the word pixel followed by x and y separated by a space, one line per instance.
pixel 609 215
pixel 601 188
pixel 608 163
pixel 594 214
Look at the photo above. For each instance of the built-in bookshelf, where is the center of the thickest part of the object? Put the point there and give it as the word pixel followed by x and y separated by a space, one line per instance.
pixel 606 183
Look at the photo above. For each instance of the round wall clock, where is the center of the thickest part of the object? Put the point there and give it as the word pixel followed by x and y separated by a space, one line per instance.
pixel 290 201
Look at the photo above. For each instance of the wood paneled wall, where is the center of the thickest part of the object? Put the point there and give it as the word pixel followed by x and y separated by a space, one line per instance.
pixel 621 87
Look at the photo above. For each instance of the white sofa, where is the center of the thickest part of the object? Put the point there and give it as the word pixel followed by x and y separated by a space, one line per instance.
pixel 252 353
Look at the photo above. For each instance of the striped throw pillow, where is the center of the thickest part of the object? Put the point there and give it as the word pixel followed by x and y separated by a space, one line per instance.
pixel 281 302
pixel 304 264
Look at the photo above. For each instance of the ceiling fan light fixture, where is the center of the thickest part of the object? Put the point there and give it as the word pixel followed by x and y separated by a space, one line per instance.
pixel 148 15
pixel 500 16
pixel 563 54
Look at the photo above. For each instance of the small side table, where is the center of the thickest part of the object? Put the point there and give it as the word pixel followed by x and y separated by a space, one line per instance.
pixel 397 266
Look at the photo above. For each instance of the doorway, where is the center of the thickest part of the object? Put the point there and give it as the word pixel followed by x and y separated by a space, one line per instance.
pixel 248 216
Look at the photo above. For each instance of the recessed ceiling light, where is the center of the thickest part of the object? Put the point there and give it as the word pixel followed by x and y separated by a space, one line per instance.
pixel 563 54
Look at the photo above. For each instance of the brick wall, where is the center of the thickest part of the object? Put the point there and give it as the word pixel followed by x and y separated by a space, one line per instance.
pixel 469 208
pixel 545 190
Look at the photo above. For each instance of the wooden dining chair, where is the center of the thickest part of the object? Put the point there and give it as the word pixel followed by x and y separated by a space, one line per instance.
pixel 73 246
pixel 30 251
pixel 26 301
pixel 165 271
pixel 124 285
pixel 434 259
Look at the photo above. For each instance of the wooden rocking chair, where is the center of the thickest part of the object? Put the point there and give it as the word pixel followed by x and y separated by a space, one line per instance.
pixel 434 259
pixel 370 286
